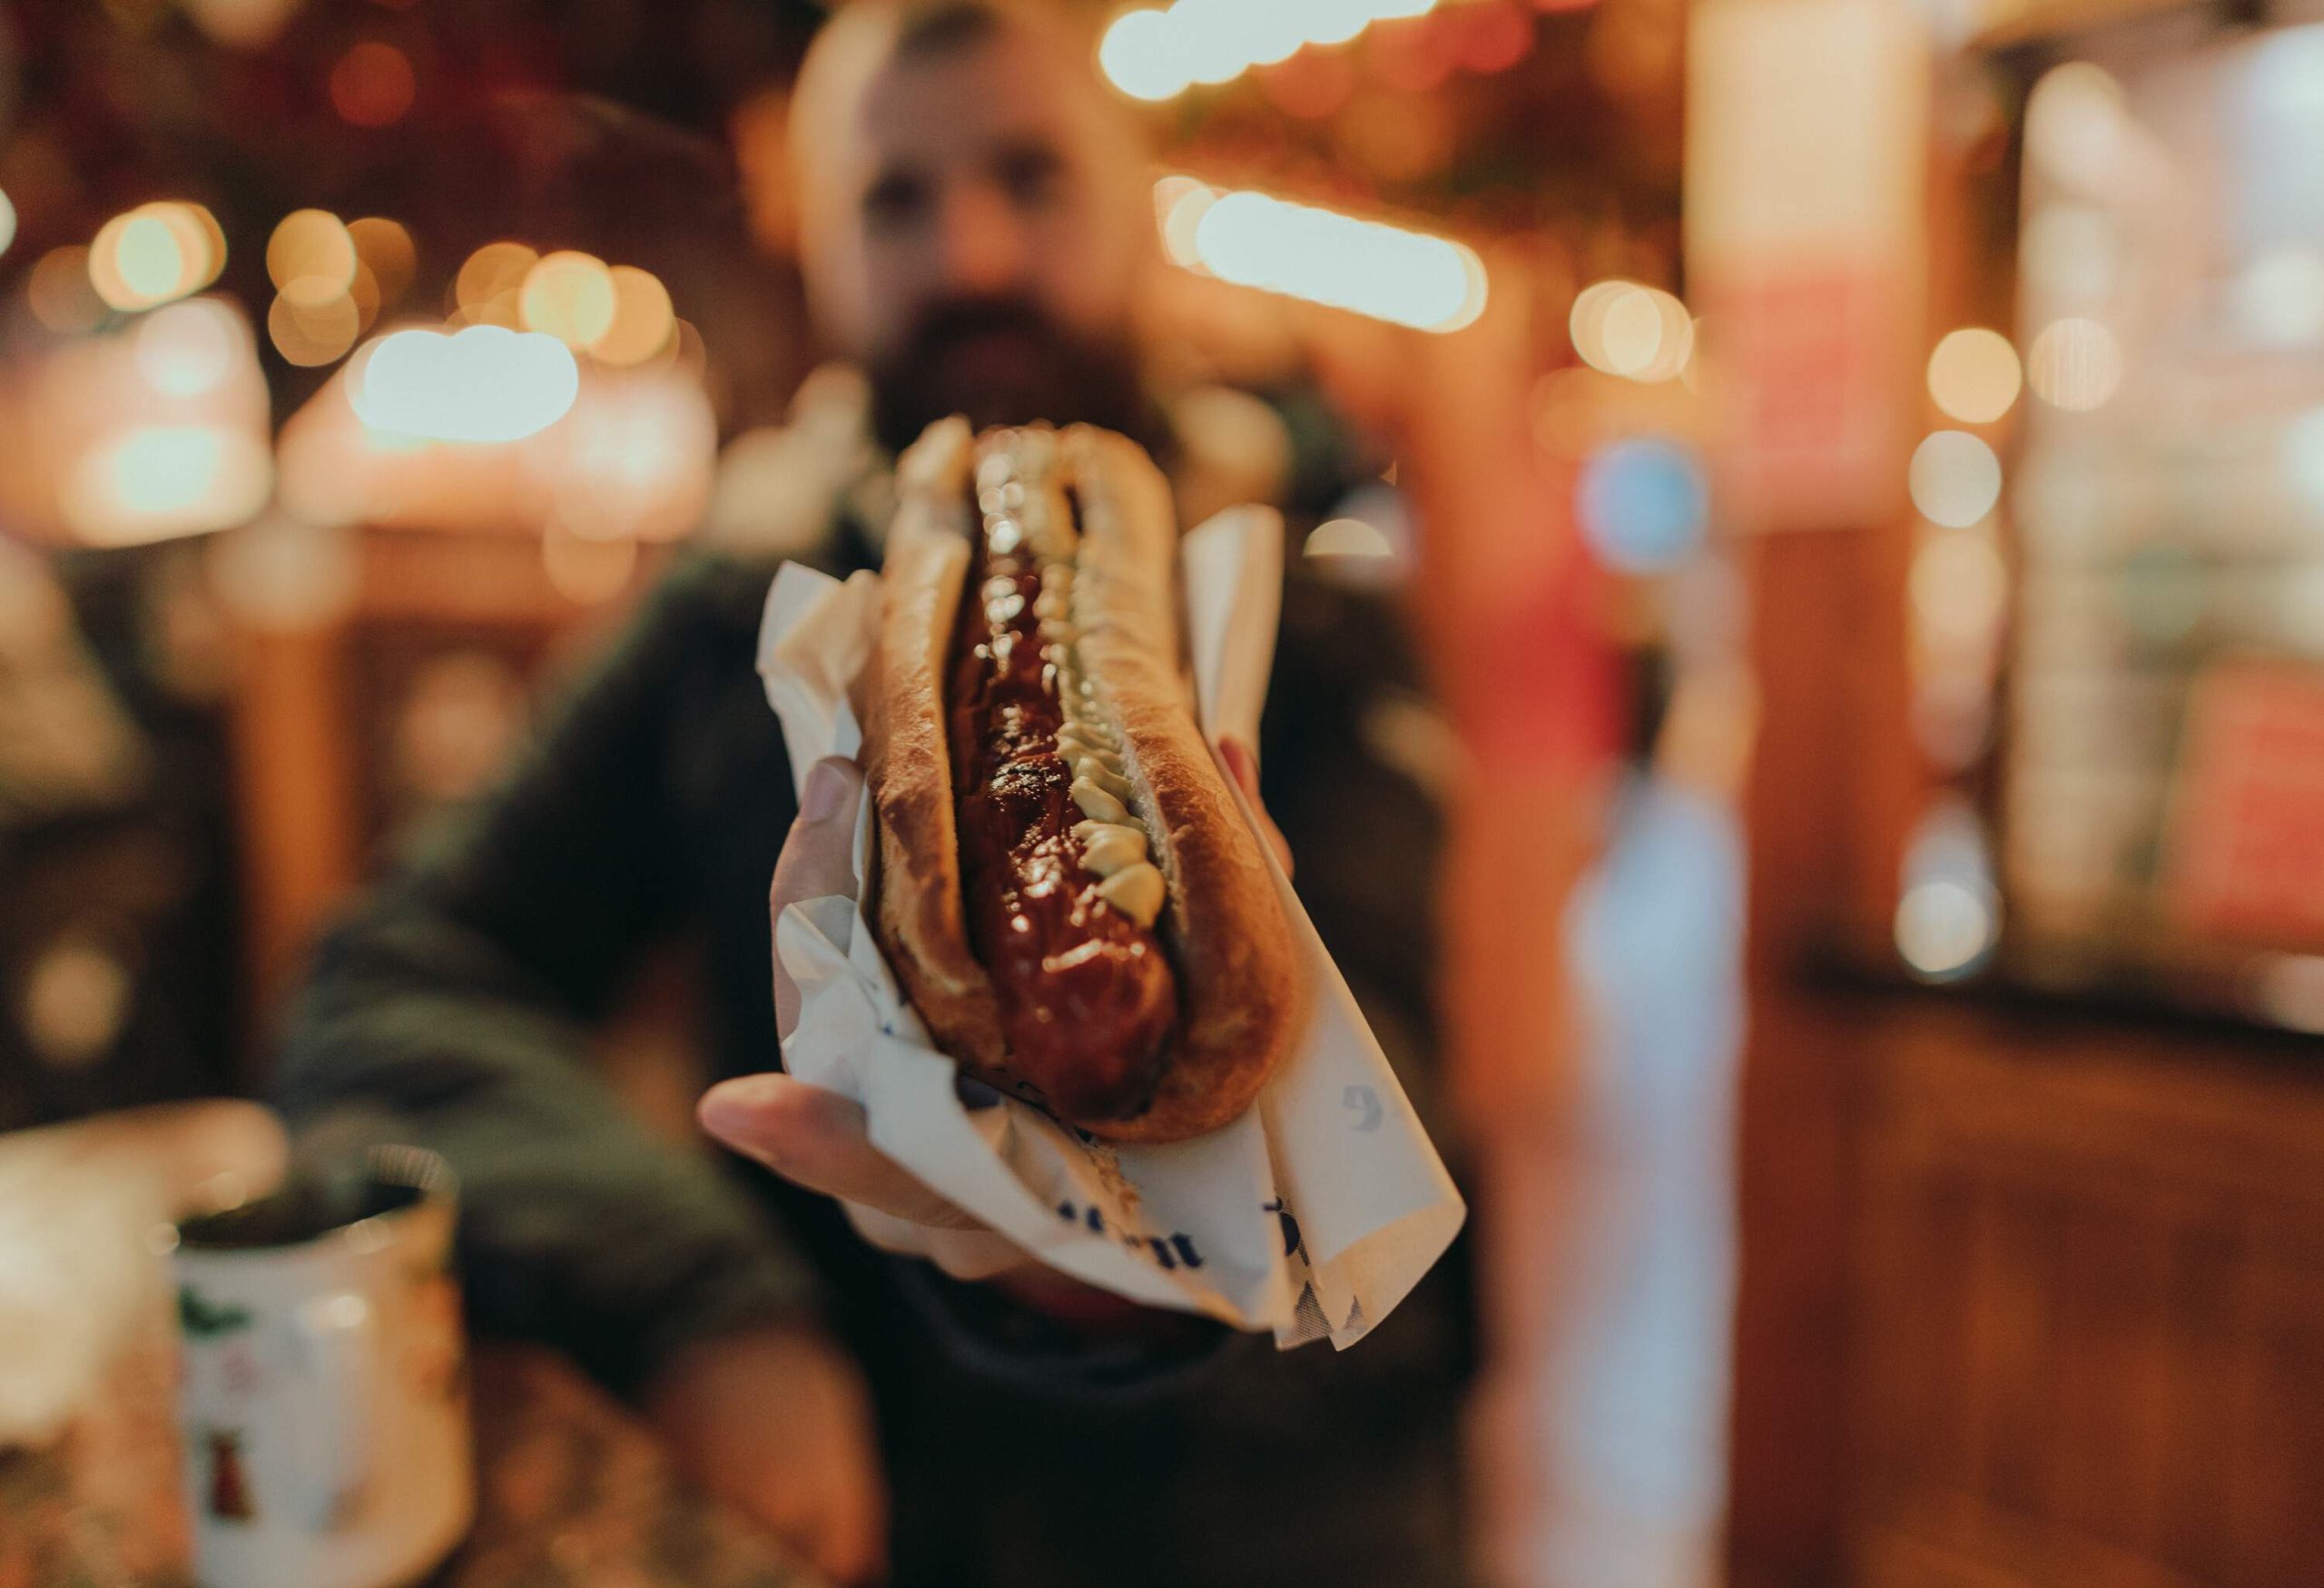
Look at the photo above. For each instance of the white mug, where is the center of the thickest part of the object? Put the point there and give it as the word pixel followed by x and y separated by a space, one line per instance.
pixel 323 1400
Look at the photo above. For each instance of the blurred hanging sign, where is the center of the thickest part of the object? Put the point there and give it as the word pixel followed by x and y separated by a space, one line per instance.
pixel 1807 131
pixel 2245 850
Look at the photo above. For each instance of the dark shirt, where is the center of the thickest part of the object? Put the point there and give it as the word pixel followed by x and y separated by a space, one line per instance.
pixel 453 1007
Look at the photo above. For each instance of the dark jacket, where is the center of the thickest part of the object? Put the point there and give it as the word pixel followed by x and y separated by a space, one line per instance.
pixel 653 805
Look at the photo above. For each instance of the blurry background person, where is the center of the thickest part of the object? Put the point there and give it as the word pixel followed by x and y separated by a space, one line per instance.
pixel 975 237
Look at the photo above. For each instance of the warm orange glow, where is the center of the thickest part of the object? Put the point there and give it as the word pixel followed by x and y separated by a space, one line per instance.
pixel 569 296
pixel 586 571
pixel 1179 204
pixel 372 86
pixel 189 350
pixel 1973 376
pixel 311 246
pixel 285 577
pixel 61 295
pixel 308 326
pixel 1640 332
pixel 644 323
pixel 153 253
pixel 489 283
pixel 386 248
pixel 635 458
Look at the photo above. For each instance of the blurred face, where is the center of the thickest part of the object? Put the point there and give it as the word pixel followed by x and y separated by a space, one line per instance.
pixel 975 234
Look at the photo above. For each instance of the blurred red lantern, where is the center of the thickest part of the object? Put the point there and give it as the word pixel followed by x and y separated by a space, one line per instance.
pixel 372 86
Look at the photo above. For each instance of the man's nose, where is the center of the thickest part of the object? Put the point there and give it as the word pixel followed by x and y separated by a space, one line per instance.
pixel 984 242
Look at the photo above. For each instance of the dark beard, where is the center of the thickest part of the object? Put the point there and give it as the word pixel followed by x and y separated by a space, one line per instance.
pixel 1061 378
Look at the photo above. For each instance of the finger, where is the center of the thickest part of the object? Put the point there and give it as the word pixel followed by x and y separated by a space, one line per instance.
pixel 1242 765
pixel 816 1138
pixel 817 859
pixel 970 1255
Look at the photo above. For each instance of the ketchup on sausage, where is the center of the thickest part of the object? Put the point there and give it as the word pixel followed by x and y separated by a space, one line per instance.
pixel 1086 994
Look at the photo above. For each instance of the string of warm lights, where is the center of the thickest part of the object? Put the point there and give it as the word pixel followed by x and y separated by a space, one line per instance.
pixel 1159 52
pixel 161 430
pixel 1366 267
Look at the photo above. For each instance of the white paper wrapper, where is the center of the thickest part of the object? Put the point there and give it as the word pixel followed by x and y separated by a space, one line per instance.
pixel 1311 1215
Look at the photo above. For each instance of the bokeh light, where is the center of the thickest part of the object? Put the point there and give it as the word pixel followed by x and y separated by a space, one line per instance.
pixel 1179 204
pixel 7 222
pixel 153 253
pixel 1948 918
pixel 2075 364
pixel 1640 332
pixel 60 293
pixel 482 383
pixel 1643 504
pixel 1959 588
pixel 1955 478
pixel 385 248
pixel 372 86
pixel 152 482
pixel 189 348
pixel 1494 37
pixel 486 289
pixel 1406 277
pixel 1946 929
pixel 569 296
pixel 1973 376
pixel 246 24
pixel 2075 123
pixel 636 459
pixel 2278 299
pixel 311 246
pixel 1139 55
pixel 1157 52
pixel 643 324
pixel 311 324
pixel 1347 537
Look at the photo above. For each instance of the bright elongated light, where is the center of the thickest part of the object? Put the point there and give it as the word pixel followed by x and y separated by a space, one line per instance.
pixel 1406 277
pixel 1157 52
pixel 482 383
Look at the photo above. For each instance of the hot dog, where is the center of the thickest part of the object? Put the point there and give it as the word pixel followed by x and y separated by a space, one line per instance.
pixel 1066 889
